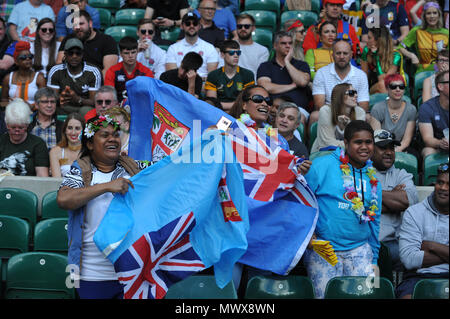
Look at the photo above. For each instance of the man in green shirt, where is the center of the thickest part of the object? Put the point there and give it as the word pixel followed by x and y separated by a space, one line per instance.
pixel 226 83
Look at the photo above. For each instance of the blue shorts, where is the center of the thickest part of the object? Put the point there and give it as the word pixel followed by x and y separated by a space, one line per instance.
pixel 410 279
pixel 111 289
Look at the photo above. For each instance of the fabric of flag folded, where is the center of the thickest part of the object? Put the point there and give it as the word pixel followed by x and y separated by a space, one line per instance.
pixel 325 250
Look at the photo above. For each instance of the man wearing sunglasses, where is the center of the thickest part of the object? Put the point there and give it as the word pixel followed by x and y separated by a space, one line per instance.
pixel 226 83
pixel 105 98
pixel 399 191
pixel 192 43
pixel 74 80
pixel 434 119
pixel 63 28
pixel 424 237
pixel 150 54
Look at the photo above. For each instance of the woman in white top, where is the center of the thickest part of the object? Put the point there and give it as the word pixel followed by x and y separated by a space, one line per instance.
pixel 69 148
pixel 334 118
pixel 24 82
pixel 45 47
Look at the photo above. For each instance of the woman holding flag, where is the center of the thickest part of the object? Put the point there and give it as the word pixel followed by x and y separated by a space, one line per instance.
pixel 86 192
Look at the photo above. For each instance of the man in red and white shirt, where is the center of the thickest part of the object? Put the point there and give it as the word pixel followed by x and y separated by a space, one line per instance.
pixel 128 69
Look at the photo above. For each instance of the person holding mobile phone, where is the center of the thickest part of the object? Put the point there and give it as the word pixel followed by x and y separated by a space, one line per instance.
pixel 166 13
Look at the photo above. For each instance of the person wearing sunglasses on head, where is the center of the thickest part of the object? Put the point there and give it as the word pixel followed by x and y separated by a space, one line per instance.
pixel 150 54
pixel 297 31
pixel 433 118
pixel 24 82
pixel 75 80
pixel 192 43
pixel 226 83
pixel 424 237
pixel 104 99
pixel 396 115
pixel 119 74
pixel 334 118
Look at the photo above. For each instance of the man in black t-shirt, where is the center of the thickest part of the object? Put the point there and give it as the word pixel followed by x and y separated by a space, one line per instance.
pixel 186 77
pixel 99 49
pixel 166 13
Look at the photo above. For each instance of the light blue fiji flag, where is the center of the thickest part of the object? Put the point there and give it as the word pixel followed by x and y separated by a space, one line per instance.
pixel 180 218
pixel 163 117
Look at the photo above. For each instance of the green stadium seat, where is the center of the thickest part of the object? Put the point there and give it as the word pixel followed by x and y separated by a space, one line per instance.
pixel 200 287
pixel 312 134
pixel 264 19
pixel 37 275
pixel 120 31
pixel 385 263
pixel 19 203
pixel 355 287
pixel 418 82
pixel 318 154
pixel 111 5
pixel 164 46
pixel 128 16
pixel 50 208
pixel 267 5
pixel 375 98
pixel 61 117
pixel 263 37
pixel 193 3
pixel 431 164
pixel 431 289
pixel 315 6
pixel 279 287
pixel 51 235
pixel 170 34
pixel 308 18
pixel 301 130
pixel 105 18
pixel 409 163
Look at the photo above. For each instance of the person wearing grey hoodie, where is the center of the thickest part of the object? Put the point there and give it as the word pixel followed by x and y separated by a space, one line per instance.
pixel 424 237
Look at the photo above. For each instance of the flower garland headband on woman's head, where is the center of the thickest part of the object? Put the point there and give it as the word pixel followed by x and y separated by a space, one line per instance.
pixel 102 121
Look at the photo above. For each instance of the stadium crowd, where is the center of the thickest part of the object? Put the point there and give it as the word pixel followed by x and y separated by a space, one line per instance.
pixel 328 86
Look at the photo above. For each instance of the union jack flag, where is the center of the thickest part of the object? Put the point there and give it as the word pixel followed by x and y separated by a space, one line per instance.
pixel 158 259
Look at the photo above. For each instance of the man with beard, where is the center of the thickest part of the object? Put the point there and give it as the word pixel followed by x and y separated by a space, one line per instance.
pixel 75 81
pixel 99 49
pixel 424 237
pixel 253 54
pixel 399 191
pixel 192 43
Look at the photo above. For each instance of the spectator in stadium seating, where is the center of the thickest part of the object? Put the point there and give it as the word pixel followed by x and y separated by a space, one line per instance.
pixel 399 191
pixel 385 13
pixel 56 5
pixel 379 58
pixel 274 108
pixel 297 31
pixel 253 54
pixel 86 192
pixel 99 49
pixel 340 71
pixel 396 115
pixel 63 28
pixel 292 5
pixel 6 61
pixel 24 18
pixel 192 43
pixel 424 238
pixel 427 40
pixel 166 13
pixel 120 115
pixel 208 29
pixel 442 64
pixel 24 82
pixel 320 57
pixel 20 152
pixel 119 74
pixel 149 54
pixel 232 5
pixel 333 12
pixel 347 193
pixel 104 99
pixel 284 75
pixel 45 47
pixel 287 120
pixel 224 19
pixel 334 118
pixel 185 77
pixel 226 83
pixel 68 149
pixel 74 80
pixel 45 123
pixel 433 118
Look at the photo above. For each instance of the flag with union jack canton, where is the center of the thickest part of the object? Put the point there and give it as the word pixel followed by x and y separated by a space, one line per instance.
pixel 180 218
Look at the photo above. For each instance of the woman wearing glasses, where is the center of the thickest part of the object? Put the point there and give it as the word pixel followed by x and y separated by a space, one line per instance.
pixel 24 82
pixel 395 114
pixel 149 54
pixel 45 46
pixel 297 31
pixel 379 58
pixel 320 57
pixel 334 118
